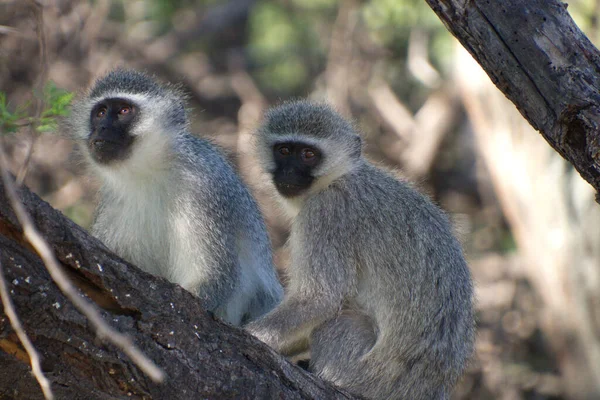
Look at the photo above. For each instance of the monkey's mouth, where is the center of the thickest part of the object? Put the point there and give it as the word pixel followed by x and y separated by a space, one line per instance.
pixel 289 189
pixel 108 151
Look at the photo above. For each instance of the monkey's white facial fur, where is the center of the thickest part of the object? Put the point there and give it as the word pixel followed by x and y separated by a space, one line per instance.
pixel 147 136
pixel 127 124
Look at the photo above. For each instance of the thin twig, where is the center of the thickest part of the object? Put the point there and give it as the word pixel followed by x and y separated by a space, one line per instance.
pixel 103 330
pixel 419 137
pixel 25 166
pixel 418 61
pixel 341 49
pixel 9 309
pixel 38 12
pixel 8 30
pixel 34 357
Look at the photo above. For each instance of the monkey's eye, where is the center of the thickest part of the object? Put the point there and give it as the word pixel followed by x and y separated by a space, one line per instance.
pixel 284 150
pixel 310 156
pixel 124 110
pixel 101 112
pixel 307 154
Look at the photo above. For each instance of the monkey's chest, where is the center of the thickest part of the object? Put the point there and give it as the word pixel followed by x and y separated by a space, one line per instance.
pixel 138 233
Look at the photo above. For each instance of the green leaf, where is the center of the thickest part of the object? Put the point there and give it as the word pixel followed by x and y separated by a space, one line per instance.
pixel 56 104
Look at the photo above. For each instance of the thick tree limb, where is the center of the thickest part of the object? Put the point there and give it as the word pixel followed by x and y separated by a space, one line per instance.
pixel 536 55
pixel 202 357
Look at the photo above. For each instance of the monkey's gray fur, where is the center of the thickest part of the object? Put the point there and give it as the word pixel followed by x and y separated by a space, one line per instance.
pixel 175 207
pixel 378 285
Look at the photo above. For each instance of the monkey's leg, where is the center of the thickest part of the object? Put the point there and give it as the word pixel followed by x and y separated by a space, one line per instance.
pixel 338 345
pixel 344 352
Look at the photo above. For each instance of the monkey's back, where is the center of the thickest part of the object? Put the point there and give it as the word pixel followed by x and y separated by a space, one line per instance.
pixel 227 205
pixel 412 279
pixel 218 188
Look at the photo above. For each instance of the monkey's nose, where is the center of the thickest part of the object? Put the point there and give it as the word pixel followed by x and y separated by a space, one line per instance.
pixel 99 144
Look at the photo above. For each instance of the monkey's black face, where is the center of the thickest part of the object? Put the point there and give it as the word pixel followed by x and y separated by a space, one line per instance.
pixel 294 165
pixel 111 139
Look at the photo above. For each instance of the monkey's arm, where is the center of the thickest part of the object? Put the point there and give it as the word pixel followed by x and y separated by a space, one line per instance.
pixel 322 277
pixel 203 258
pixel 286 329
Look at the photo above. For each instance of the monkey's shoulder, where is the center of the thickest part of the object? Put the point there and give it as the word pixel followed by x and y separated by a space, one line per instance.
pixel 370 195
pixel 370 185
pixel 209 178
pixel 206 162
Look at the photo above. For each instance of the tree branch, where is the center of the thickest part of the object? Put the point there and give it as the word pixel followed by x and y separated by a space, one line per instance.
pixel 103 330
pixel 202 357
pixel 536 55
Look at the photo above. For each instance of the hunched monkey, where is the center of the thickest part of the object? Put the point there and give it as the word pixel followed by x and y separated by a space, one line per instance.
pixel 378 285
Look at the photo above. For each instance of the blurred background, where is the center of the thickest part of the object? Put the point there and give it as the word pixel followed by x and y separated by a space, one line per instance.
pixel 529 224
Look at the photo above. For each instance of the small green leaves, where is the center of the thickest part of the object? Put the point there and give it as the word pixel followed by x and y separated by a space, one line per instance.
pixel 56 104
pixel 10 121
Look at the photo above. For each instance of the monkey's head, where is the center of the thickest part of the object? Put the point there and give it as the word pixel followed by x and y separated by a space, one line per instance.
pixel 305 146
pixel 127 120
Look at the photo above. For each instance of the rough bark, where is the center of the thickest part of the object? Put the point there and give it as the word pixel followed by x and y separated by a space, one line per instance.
pixel 536 55
pixel 202 357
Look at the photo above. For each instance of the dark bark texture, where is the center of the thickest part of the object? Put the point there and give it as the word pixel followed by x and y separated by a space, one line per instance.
pixel 537 56
pixel 202 357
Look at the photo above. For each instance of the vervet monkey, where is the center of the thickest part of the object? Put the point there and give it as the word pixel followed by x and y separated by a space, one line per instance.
pixel 170 203
pixel 378 285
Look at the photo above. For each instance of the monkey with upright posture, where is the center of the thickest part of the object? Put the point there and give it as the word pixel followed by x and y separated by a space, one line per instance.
pixel 378 285
pixel 170 203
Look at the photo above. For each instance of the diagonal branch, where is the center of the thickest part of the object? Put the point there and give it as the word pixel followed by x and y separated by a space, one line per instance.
pixel 203 357
pixel 536 55
pixel 103 330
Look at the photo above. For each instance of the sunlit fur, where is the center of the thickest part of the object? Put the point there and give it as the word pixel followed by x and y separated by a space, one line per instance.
pixel 378 285
pixel 175 207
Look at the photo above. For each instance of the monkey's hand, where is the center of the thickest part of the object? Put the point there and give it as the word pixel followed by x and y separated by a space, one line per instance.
pixel 288 327
pixel 264 334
